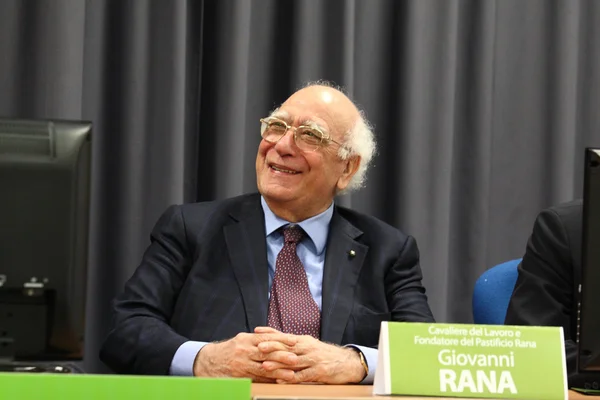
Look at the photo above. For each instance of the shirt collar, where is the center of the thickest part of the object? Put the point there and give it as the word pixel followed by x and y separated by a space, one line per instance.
pixel 316 227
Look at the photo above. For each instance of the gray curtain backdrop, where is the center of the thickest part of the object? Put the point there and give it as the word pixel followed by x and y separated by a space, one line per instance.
pixel 482 110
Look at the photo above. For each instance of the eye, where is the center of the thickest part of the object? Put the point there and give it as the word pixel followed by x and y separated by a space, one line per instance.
pixel 277 126
pixel 310 135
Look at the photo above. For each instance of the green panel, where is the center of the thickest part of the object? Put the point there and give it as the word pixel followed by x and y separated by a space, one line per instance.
pixel 116 387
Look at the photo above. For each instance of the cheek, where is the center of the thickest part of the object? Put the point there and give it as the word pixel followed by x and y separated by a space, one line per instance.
pixel 263 148
pixel 333 166
pixel 327 172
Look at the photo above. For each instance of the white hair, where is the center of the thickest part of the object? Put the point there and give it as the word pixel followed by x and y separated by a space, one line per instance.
pixel 358 141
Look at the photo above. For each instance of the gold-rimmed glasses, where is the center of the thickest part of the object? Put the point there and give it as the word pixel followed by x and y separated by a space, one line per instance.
pixel 307 138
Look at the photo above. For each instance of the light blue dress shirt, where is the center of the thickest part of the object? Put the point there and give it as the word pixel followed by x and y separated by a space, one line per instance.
pixel 311 251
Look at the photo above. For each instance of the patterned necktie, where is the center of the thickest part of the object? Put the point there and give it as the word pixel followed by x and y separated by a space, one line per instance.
pixel 292 308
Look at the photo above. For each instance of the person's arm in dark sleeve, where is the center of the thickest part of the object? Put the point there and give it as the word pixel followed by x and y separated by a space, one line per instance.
pixel 543 294
pixel 406 297
pixel 140 340
pixel 404 290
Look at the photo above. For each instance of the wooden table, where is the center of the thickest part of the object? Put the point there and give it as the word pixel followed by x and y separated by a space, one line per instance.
pixel 349 392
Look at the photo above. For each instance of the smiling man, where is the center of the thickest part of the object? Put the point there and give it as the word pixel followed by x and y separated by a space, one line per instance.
pixel 281 285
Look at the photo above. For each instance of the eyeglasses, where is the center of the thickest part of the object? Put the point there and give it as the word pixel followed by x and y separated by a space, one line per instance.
pixel 307 138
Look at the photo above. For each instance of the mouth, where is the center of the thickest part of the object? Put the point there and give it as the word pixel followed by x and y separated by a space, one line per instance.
pixel 280 169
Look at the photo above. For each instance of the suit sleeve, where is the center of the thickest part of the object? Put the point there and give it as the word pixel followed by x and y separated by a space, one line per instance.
pixel 404 290
pixel 140 340
pixel 543 293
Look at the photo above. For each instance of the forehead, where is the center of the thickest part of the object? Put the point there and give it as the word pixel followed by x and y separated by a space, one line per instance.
pixel 301 117
pixel 331 110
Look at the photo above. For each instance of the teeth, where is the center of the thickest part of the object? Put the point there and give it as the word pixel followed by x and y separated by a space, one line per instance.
pixel 283 170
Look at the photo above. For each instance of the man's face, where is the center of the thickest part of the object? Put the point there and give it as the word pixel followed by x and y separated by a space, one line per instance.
pixel 305 182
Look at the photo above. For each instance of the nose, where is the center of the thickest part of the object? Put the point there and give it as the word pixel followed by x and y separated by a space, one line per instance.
pixel 287 143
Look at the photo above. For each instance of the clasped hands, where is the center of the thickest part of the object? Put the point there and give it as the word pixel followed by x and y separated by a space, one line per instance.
pixel 270 356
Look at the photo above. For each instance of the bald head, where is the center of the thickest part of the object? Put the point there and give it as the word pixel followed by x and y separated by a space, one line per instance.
pixel 325 105
pixel 325 96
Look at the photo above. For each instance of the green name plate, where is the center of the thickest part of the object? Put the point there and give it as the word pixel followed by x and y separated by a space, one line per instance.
pixel 119 387
pixel 465 360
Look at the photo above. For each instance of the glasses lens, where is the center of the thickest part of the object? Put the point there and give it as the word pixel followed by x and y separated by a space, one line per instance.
pixel 308 138
pixel 272 130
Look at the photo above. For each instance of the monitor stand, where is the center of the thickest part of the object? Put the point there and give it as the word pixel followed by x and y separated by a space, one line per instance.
pixel 585 381
pixel 35 367
pixel 8 363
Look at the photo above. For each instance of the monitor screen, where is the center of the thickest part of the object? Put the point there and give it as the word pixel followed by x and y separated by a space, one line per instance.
pixel 44 212
pixel 589 292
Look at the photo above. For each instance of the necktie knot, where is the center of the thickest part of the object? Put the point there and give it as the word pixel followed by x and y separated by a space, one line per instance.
pixel 293 234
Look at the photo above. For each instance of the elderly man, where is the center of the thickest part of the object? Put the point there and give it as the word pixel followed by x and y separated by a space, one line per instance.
pixel 281 286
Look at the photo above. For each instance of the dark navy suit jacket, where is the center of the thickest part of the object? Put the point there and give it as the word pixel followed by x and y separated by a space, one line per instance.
pixel 545 293
pixel 205 277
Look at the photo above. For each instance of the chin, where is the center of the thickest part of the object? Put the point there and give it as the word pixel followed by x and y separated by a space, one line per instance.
pixel 278 193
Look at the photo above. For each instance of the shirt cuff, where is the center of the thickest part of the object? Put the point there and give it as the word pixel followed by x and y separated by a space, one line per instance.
pixel 183 360
pixel 371 359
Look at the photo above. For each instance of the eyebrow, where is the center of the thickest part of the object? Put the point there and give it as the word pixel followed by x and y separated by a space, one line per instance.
pixel 284 115
pixel 313 124
pixel 281 114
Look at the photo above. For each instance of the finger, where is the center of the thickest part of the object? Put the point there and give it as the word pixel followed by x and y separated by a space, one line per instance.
pixel 269 347
pixel 282 374
pixel 307 375
pixel 262 350
pixel 271 366
pixel 283 357
pixel 284 338
pixel 257 355
pixel 275 352
pixel 304 361
pixel 265 329
pixel 256 369
pixel 306 345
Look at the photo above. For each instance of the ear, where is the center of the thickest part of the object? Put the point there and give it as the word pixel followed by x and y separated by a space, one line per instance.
pixel 350 169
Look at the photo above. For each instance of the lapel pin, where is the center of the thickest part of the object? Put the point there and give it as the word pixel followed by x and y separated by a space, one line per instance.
pixel 352 253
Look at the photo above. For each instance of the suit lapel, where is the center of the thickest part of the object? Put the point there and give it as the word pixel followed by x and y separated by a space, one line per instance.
pixel 247 250
pixel 343 262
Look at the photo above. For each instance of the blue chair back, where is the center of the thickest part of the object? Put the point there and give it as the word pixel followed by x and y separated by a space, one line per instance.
pixel 492 293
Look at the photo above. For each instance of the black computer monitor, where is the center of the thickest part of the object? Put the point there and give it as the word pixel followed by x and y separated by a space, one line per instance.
pixel 44 212
pixel 588 340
